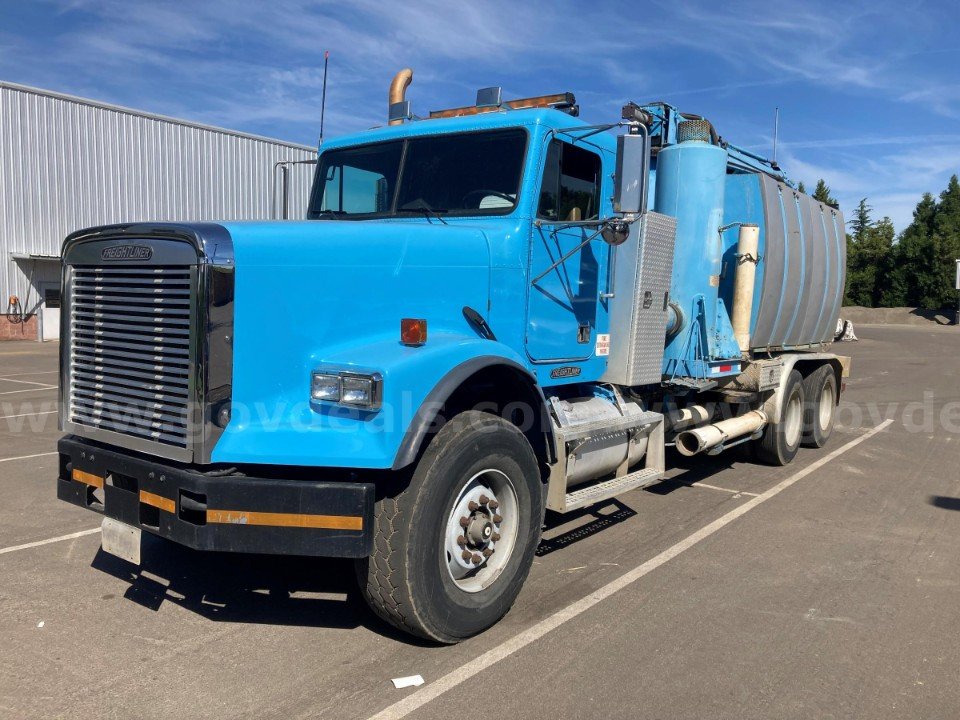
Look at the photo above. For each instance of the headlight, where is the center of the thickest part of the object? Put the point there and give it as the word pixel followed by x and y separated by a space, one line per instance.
pixel 356 389
pixel 325 387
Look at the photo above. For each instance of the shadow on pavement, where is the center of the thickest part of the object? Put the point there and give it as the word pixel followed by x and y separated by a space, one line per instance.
pixel 945 503
pixel 697 468
pixel 262 589
pixel 606 515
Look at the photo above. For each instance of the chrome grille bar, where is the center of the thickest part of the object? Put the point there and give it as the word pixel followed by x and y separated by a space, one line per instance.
pixel 131 351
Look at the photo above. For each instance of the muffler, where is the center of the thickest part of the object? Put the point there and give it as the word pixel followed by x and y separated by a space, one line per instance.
pixel 692 442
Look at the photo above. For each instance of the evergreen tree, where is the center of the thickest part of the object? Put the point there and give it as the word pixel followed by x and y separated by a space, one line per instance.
pixel 861 220
pixel 801 187
pixel 822 193
pixel 920 268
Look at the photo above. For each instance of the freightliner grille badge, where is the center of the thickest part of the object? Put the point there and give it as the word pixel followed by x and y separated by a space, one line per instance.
pixel 126 252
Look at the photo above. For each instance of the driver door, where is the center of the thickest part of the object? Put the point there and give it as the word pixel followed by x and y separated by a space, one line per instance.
pixel 563 296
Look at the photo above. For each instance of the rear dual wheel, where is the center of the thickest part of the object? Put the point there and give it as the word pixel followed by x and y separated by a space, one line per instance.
pixel 781 439
pixel 820 388
pixel 453 548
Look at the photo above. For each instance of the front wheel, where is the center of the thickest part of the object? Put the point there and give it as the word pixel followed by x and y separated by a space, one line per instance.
pixel 452 549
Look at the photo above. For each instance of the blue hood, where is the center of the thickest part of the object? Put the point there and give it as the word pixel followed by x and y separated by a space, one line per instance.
pixel 309 293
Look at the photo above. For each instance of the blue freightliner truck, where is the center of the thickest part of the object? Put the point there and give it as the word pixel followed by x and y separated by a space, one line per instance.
pixel 489 313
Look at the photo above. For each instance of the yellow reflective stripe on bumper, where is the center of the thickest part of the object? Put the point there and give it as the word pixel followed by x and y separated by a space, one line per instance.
pixel 248 517
pixel 158 501
pixel 88 478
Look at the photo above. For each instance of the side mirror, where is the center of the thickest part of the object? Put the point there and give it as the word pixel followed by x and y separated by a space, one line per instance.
pixel 633 169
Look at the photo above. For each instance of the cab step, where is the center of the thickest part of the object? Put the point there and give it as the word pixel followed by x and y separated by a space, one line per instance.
pixel 606 489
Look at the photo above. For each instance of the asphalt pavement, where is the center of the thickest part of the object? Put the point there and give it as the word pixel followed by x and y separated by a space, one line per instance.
pixel 829 588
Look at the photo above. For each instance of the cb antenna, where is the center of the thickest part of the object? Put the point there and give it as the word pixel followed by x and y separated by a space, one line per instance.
pixel 323 95
pixel 776 130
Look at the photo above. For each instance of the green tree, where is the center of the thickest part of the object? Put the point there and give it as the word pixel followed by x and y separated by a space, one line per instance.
pixel 920 268
pixel 861 220
pixel 868 252
pixel 801 187
pixel 822 193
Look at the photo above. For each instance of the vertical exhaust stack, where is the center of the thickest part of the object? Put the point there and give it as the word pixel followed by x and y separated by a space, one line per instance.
pixel 398 90
pixel 748 246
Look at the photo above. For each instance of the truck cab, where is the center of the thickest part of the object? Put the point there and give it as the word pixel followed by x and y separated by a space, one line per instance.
pixel 496 311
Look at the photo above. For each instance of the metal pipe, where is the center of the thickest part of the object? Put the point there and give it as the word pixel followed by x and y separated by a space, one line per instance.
pixel 690 415
pixel 398 90
pixel 743 283
pixel 691 442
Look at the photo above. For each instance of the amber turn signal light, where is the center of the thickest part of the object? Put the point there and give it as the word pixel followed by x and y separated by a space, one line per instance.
pixel 413 332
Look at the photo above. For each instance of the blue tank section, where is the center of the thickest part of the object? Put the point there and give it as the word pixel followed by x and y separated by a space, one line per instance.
pixel 690 186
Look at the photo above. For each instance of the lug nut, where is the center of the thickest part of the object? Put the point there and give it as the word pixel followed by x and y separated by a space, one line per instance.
pixel 488 552
pixel 495 537
pixel 498 519
pixel 494 504
pixel 484 499
pixel 461 541
pixel 466 555
pixel 472 506
pixel 464 522
pixel 477 559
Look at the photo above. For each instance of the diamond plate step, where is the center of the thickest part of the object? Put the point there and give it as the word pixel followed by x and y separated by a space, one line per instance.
pixel 590 494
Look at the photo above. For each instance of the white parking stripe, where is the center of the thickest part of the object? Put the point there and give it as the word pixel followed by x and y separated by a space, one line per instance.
pixel 38 543
pixel 35 372
pixel 726 490
pixel 45 412
pixel 27 382
pixel 26 457
pixel 14 392
pixel 469 671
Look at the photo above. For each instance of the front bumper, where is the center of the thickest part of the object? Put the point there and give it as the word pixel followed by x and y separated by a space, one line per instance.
pixel 230 513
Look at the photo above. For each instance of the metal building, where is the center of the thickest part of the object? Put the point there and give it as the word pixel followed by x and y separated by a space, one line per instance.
pixel 68 163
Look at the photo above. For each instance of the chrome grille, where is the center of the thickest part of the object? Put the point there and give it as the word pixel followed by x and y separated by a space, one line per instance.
pixel 130 351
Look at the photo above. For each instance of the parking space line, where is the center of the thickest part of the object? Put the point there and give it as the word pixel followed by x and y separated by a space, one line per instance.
pixel 470 670
pixel 38 389
pixel 44 412
pixel 27 457
pixel 35 372
pixel 726 490
pixel 27 382
pixel 38 543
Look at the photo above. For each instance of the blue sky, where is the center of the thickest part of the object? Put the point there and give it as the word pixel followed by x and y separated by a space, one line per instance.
pixel 869 92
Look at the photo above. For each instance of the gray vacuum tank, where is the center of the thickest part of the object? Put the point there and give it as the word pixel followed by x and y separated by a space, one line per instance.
pixel 802 268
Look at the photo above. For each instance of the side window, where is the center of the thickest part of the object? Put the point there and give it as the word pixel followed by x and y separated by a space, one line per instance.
pixel 571 184
pixel 354 190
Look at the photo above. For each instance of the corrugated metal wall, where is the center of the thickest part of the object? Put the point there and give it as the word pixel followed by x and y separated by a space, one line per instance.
pixel 67 163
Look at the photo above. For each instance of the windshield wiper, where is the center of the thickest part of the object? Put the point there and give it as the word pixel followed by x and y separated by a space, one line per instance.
pixel 424 210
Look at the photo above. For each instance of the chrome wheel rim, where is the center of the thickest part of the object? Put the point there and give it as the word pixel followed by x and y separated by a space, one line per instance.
pixel 793 420
pixel 481 530
pixel 827 405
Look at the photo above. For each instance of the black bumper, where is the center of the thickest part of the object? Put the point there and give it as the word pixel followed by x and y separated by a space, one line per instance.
pixel 226 513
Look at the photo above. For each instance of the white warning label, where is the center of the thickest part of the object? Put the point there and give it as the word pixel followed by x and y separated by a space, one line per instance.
pixel 603 345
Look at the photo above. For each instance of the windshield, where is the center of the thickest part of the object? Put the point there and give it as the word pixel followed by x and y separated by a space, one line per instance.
pixel 461 174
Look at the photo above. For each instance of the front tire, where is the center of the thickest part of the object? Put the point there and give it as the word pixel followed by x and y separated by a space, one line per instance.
pixel 453 548
pixel 781 439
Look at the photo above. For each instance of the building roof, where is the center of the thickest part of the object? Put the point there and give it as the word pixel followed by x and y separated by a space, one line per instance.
pixel 154 116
